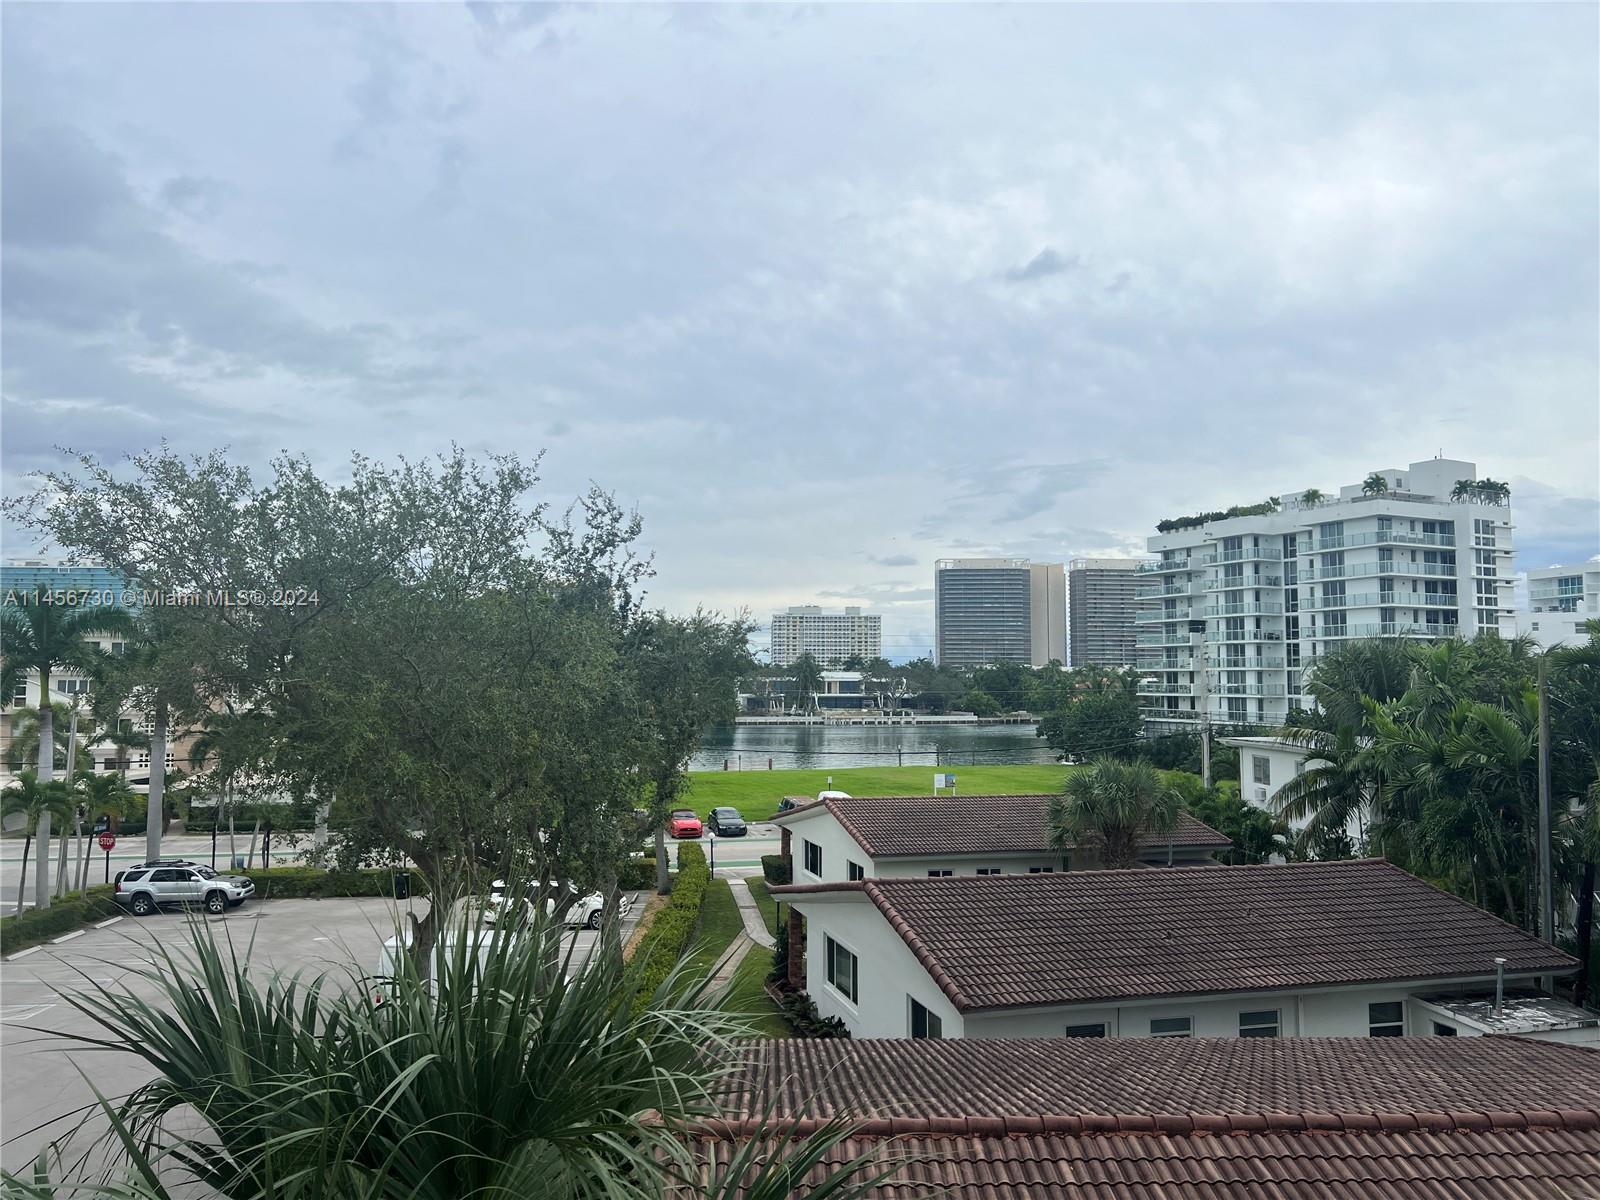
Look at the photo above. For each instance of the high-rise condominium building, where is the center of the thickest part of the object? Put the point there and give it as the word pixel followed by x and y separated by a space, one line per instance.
pixel 1100 606
pixel 988 610
pixel 1560 601
pixel 829 637
pixel 1236 611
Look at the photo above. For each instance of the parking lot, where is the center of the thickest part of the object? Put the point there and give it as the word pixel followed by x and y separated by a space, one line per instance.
pixel 42 1083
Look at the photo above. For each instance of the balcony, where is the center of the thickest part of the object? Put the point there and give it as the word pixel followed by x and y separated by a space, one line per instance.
pixel 1245 554
pixel 1248 664
pixel 1244 635
pixel 1243 610
pixel 1166 664
pixel 1366 600
pixel 1160 616
pixel 1221 583
pixel 1157 688
pixel 1163 639
pixel 1381 629
pixel 1174 564
pixel 1352 570
pixel 1182 587
pixel 1245 689
pixel 1386 537
pixel 1168 714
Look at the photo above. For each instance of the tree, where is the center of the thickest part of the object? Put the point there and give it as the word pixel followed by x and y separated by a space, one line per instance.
pixel 43 632
pixel 36 800
pixel 1374 485
pixel 686 671
pixel 1465 489
pixel 104 794
pixel 1111 808
pixel 1094 724
pixel 1337 786
pixel 979 703
pixel 1311 497
pixel 1342 680
pixel 854 662
pixel 807 681
pixel 24 744
pixel 1257 835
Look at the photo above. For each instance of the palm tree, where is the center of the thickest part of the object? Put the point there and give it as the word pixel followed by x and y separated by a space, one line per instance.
pixel 1374 485
pixel 513 1072
pixel 38 637
pixel 1337 786
pixel 1465 489
pixel 1311 497
pixel 1360 670
pixel 37 800
pixel 102 794
pixel 24 745
pixel 807 680
pixel 1114 807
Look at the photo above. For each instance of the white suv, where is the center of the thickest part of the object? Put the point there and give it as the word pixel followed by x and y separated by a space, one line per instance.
pixel 144 889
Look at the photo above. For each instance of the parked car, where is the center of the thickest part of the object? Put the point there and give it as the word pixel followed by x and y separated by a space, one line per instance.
pixel 144 889
pixel 587 911
pixel 684 824
pixel 726 822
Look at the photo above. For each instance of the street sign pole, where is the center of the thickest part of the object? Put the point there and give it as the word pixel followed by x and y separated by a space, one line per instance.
pixel 107 842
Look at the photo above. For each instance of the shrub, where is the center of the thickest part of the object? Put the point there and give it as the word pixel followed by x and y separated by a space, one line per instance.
pixel 63 916
pixel 777 869
pixel 637 874
pixel 300 883
pixel 801 1012
pixel 670 931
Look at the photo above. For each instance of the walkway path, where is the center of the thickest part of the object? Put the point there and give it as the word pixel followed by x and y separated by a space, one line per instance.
pixel 754 923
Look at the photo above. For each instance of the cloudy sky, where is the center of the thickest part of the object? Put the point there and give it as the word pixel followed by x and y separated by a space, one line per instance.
pixel 827 292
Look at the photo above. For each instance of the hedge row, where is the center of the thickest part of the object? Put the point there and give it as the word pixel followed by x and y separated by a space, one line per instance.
pixel 638 874
pixel 776 868
pixel 313 883
pixel 73 911
pixel 670 931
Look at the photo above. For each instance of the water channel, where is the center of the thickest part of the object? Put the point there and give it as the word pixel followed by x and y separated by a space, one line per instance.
pixel 748 747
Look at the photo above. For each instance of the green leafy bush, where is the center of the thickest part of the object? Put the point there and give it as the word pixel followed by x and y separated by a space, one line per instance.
pixel 301 883
pixel 801 1012
pixel 637 874
pixel 777 869
pixel 71 912
pixel 670 931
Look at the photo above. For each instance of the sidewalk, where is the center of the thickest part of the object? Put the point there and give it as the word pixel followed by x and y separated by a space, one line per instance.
pixel 755 926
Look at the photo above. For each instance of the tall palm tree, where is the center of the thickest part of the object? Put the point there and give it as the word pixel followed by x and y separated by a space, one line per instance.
pixel 807 680
pixel 1311 497
pixel 1465 489
pixel 1337 786
pixel 40 636
pixel 37 800
pixel 101 794
pixel 1112 807
pixel 1374 485
pixel 24 745
pixel 1360 670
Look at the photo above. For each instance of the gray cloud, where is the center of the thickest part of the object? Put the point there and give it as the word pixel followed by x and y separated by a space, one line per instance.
pixel 893 560
pixel 1042 265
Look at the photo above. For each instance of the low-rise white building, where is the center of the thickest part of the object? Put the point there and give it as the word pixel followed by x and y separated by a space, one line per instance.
pixel 866 837
pixel 1561 601
pixel 1332 949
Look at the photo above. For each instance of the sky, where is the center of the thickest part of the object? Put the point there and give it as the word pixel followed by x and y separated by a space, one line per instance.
pixel 827 292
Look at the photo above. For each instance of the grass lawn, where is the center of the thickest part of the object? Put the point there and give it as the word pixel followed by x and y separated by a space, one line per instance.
pixel 756 793
pixel 745 994
pixel 765 902
pixel 720 923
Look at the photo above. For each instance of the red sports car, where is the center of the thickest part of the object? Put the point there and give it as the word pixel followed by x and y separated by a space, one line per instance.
pixel 684 824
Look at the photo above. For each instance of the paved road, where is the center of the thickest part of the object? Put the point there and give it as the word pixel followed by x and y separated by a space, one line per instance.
pixel 40 1083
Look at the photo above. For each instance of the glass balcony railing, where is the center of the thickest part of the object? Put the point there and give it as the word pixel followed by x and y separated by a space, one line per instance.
pixel 1380 629
pixel 1245 689
pixel 1262 608
pixel 1245 554
pixel 1158 688
pixel 1352 570
pixel 1226 583
pixel 1162 639
pixel 1244 635
pixel 1160 616
pixel 1168 714
pixel 1248 664
pixel 1180 589
pixel 1169 564
pixel 1386 537
pixel 1165 664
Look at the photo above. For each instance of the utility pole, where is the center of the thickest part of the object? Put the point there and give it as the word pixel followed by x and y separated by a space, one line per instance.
pixel 1547 923
pixel 1205 748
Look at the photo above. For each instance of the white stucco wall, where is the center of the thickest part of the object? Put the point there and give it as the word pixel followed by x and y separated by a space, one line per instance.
pixel 889 973
pixel 838 848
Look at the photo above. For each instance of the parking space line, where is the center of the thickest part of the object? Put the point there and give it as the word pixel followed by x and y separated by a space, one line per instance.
pixel 103 924
pixel 67 937
pixel 24 953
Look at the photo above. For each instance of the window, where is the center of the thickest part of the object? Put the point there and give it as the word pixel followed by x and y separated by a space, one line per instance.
pixel 1094 1029
pixel 1172 1027
pixel 1387 1019
pixel 841 970
pixel 813 854
pixel 1261 768
pixel 925 1024
pixel 990 871
pixel 1440 1029
pixel 939 873
pixel 1259 1024
pixel 1041 870
pixel 854 870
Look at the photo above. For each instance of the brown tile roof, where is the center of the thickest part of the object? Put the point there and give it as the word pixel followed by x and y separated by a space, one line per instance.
pixel 914 826
pixel 1289 1119
pixel 1175 1085
pixel 1012 940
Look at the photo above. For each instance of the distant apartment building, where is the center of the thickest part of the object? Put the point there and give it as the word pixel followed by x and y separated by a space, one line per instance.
pixel 1560 601
pixel 989 610
pixel 91 581
pixel 829 637
pixel 1100 605
pixel 1236 609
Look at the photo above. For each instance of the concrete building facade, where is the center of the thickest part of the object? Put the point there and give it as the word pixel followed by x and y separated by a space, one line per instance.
pixel 829 637
pixel 1101 599
pixel 989 610
pixel 1234 610
pixel 1560 601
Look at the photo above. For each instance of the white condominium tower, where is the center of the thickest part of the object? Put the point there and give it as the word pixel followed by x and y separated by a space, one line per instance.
pixel 1237 608
pixel 1561 601
pixel 829 637
pixel 989 610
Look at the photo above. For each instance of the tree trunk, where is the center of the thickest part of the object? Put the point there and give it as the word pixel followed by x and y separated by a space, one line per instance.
pixel 1580 988
pixel 83 866
pixel 47 774
pixel 233 849
pixel 662 883
pixel 22 886
pixel 154 808
pixel 61 861
pixel 72 753
pixel 249 859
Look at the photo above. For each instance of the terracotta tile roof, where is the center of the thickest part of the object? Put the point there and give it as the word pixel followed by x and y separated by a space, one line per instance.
pixel 1292 1119
pixel 1013 940
pixel 914 826
pixel 1174 1085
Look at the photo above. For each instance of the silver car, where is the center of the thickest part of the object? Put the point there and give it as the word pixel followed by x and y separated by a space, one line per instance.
pixel 144 889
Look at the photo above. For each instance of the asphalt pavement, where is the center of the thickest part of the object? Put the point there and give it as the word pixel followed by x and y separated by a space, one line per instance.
pixel 44 1078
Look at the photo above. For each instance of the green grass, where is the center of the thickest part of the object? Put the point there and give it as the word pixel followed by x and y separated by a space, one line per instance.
pixel 756 793
pixel 765 902
pixel 720 923
pixel 745 994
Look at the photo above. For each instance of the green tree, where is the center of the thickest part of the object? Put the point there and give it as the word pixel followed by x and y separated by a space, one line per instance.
pixel 1374 485
pixel 1111 807
pixel 103 794
pixel 1256 834
pixel 1311 497
pixel 39 635
pixel 36 800
pixel 979 703
pixel 24 744
pixel 1094 724
pixel 807 676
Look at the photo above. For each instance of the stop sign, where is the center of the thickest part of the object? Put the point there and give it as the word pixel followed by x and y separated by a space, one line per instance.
pixel 108 841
